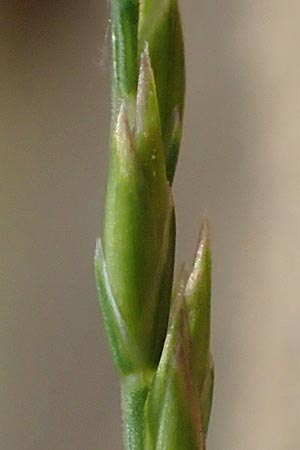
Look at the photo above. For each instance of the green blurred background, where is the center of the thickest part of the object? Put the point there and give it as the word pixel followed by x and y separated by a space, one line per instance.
pixel 240 162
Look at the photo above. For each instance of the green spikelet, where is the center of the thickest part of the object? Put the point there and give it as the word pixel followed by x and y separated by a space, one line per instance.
pixel 160 342
pixel 172 413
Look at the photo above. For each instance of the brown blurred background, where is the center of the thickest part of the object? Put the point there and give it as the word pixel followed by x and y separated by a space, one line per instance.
pixel 240 162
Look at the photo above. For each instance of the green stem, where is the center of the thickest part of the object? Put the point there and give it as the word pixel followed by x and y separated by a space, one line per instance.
pixel 135 388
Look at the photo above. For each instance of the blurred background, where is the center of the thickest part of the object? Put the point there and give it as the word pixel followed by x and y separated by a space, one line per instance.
pixel 240 162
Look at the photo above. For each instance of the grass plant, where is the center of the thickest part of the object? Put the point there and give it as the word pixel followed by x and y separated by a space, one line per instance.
pixel 158 329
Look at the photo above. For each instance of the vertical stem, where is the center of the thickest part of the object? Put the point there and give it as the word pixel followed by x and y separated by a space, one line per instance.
pixel 134 388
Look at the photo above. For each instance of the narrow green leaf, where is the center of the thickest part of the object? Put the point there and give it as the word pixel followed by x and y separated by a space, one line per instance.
pixel 160 27
pixel 123 348
pixel 197 292
pixel 149 148
pixel 148 137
